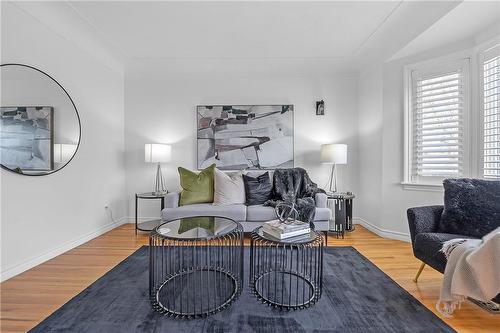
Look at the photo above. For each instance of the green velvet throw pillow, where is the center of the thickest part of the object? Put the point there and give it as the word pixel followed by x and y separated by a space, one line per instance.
pixel 196 187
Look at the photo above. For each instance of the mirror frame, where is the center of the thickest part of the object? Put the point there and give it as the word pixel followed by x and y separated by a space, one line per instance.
pixel 77 117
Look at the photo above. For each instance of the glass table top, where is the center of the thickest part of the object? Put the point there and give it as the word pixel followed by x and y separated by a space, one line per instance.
pixel 150 195
pixel 198 227
pixel 311 236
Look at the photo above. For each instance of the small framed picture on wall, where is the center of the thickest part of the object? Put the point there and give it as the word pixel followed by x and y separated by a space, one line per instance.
pixel 320 108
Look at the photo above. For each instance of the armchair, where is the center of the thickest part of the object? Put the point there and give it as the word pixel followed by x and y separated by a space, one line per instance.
pixel 427 242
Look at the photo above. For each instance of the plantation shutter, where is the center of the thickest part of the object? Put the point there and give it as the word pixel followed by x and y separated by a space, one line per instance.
pixel 438 103
pixel 491 113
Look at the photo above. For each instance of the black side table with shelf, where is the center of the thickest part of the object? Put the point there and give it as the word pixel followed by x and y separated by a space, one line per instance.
pixel 341 211
pixel 286 274
pixel 150 224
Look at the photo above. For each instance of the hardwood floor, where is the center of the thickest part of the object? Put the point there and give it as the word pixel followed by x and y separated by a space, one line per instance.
pixel 33 295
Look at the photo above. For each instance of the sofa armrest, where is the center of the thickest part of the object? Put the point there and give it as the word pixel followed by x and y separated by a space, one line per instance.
pixel 423 219
pixel 172 200
pixel 320 200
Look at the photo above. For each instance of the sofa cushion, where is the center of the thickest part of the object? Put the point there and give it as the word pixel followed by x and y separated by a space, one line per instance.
pixel 235 212
pixel 196 187
pixel 259 213
pixel 427 247
pixel 471 207
pixel 257 189
pixel 228 188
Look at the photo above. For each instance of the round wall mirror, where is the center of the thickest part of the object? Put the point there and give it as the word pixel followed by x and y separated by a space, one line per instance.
pixel 39 125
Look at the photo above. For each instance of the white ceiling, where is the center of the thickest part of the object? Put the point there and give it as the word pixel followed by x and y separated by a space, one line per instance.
pixel 235 29
pixel 191 30
pixel 345 35
pixel 462 22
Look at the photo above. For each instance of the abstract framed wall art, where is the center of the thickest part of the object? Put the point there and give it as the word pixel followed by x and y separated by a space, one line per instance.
pixel 26 138
pixel 237 137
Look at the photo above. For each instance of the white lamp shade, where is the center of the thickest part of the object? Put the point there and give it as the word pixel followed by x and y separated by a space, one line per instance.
pixel 334 153
pixel 157 152
pixel 63 152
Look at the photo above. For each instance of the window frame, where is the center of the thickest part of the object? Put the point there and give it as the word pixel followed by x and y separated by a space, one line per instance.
pixel 465 59
pixel 481 52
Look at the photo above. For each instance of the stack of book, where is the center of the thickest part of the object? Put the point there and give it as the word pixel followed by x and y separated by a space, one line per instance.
pixel 280 230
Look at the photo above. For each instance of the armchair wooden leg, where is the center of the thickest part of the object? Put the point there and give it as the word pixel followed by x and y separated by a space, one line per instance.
pixel 419 272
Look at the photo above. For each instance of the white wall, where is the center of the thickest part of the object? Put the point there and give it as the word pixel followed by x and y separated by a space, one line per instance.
pixel 397 200
pixel 381 149
pixel 161 99
pixel 370 123
pixel 43 216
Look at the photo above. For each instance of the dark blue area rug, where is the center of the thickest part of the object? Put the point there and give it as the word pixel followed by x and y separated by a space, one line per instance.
pixel 357 297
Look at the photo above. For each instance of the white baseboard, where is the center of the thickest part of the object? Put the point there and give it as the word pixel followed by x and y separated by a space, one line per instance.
pixel 382 232
pixel 37 260
pixel 131 219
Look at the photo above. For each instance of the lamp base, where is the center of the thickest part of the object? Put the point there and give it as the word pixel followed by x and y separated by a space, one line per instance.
pixel 159 186
pixel 332 181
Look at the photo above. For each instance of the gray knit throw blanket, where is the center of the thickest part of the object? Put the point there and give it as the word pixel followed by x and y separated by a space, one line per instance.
pixel 295 186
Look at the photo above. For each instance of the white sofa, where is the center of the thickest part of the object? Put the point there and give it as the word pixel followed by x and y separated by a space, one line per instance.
pixel 250 217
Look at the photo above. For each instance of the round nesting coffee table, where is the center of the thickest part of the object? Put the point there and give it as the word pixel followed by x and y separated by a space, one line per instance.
pixel 195 266
pixel 286 274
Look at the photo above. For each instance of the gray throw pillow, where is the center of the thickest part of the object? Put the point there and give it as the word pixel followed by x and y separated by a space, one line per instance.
pixel 228 188
pixel 471 207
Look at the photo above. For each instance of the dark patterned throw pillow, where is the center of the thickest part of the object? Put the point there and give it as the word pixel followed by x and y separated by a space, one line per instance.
pixel 257 189
pixel 471 207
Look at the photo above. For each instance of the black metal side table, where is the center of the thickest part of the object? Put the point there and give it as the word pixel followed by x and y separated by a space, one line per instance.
pixel 151 224
pixel 286 274
pixel 341 211
pixel 195 266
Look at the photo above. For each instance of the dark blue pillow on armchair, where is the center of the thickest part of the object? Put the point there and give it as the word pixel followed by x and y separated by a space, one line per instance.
pixel 471 207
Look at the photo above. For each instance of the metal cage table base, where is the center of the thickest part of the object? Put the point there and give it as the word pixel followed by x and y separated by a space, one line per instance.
pixel 191 303
pixel 286 275
pixel 195 277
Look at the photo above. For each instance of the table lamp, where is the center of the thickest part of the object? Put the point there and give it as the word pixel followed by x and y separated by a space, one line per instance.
pixel 333 153
pixel 158 153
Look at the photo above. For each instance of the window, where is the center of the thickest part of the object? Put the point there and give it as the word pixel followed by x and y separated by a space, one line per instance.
pixel 490 93
pixel 437 104
pixel 445 134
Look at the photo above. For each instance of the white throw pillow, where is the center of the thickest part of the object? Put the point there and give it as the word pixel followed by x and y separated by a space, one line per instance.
pixel 228 188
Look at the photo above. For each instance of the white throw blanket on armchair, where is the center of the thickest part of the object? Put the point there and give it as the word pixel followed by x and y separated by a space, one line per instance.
pixel 472 270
